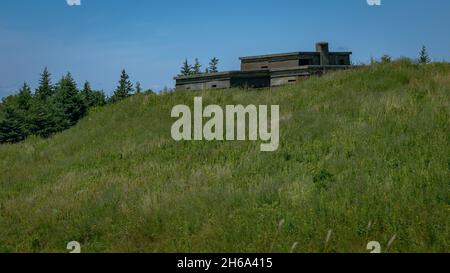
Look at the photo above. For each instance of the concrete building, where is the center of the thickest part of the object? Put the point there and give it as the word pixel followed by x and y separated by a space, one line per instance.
pixel 270 70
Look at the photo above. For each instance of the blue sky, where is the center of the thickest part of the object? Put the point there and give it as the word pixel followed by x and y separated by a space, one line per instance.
pixel 150 39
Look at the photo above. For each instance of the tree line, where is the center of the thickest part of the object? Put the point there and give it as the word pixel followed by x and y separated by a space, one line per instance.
pixel 423 58
pixel 196 68
pixel 52 108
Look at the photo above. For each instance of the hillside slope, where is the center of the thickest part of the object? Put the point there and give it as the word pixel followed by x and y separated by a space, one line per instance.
pixel 370 145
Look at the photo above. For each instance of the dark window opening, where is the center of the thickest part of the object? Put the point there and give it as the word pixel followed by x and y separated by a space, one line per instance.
pixel 341 62
pixel 214 86
pixel 305 62
pixel 264 67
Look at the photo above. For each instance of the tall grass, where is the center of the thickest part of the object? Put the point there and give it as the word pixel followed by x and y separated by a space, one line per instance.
pixel 371 145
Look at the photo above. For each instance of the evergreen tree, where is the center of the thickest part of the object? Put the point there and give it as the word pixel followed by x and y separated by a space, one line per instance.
pixel 24 103
pixel 196 68
pixel 86 94
pixel 186 69
pixel 69 102
pixel 423 56
pixel 98 99
pixel 45 118
pixel 43 115
pixel 138 88
pixel 13 125
pixel 124 89
pixel 213 66
pixel 45 89
pixel 92 98
pixel 24 98
pixel 14 119
pixel 386 59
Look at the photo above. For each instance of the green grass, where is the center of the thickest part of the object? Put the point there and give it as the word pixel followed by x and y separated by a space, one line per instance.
pixel 360 146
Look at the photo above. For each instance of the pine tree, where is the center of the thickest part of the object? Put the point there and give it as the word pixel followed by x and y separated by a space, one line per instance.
pixel 24 97
pixel 69 101
pixel 45 118
pixel 213 66
pixel 124 89
pixel 98 99
pixel 92 98
pixel 13 125
pixel 386 58
pixel 24 104
pixel 186 69
pixel 45 89
pixel 86 93
pixel 138 88
pixel 14 119
pixel 196 68
pixel 423 56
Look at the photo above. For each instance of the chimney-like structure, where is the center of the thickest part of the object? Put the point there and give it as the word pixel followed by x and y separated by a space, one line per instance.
pixel 322 48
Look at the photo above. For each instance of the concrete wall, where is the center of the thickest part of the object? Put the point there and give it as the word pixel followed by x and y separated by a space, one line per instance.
pixel 250 82
pixel 251 66
pixel 214 84
pixel 286 62
pixel 238 81
pixel 278 81
pixel 283 64
pixel 315 58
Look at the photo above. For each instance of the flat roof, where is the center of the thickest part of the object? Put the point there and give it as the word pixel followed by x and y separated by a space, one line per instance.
pixel 224 75
pixel 290 54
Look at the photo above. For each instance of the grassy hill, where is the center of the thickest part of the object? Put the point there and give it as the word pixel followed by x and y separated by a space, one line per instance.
pixel 371 145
